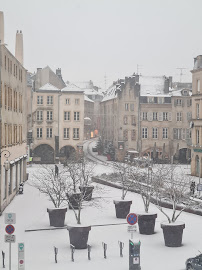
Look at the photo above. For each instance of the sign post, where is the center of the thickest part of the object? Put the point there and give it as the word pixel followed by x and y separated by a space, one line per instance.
pixel 132 220
pixel 10 218
pixel 21 259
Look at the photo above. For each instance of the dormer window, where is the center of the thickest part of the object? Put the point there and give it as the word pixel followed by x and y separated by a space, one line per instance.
pixel 160 100
pixel 150 100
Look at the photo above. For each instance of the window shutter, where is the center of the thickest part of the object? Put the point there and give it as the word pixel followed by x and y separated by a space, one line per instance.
pixel 188 103
pixel 180 133
pixel 182 103
pixel 183 133
pixel 150 116
pixel 141 116
pixel 187 133
pixel 170 116
pixel 175 134
pixel 160 116
pixel 175 102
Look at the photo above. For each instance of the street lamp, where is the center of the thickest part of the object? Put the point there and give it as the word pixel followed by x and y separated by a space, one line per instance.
pixel 6 155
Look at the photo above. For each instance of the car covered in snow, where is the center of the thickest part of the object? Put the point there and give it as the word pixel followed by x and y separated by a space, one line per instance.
pixel 194 263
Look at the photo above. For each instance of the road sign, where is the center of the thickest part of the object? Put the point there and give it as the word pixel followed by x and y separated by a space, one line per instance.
pixel 199 187
pixel 10 218
pixel 10 229
pixel 131 219
pixel 21 260
pixel 132 228
pixel 9 238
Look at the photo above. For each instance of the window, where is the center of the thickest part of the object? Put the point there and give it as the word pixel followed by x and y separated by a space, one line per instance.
pixel 177 132
pixel 126 106
pixel 189 102
pixel 197 111
pixel 39 133
pixel 133 121
pixel 197 136
pixel 160 100
pixel 155 133
pixel 150 99
pixel 76 116
pixel 165 116
pixel 5 96
pixel 49 132
pixel 144 133
pixel 133 135
pixel 49 115
pixel 155 116
pixel 125 135
pixel 5 134
pixel 75 133
pixel 132 107
pixel 66 133
pixel 125 120
pixel 179 102
pixel 144 116
pixel 179 117
pixel 67 101
pixel 76 101
pixel 165 133
pixel 39 115
pixel 39 100
pixel 198 86
pixel 67 116
pixel 49 100
pixel 189 116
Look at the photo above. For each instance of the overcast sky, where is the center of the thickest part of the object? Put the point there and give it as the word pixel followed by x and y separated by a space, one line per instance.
pixel 90 38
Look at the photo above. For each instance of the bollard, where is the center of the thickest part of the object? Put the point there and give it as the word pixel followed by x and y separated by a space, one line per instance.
pixel 3 258
pixel 121 245
pixel 72 250
pixel 105 249
pixel 89 250
pixel 56 252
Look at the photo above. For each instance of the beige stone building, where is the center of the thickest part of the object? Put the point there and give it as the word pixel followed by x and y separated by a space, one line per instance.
pixel 58 122
pixel 196 157
pixel 13 119
pixel 145 114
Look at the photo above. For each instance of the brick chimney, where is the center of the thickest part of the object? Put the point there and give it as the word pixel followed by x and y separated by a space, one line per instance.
pixel 19 46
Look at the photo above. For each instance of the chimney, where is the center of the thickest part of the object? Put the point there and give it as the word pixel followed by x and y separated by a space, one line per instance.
pixel 1 27
pixel 58 73
pixel 171 81
pixel 166 85
pixel 198 62
pixel 19 47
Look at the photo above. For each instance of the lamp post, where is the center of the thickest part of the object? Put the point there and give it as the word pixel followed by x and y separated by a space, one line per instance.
pixel 6 155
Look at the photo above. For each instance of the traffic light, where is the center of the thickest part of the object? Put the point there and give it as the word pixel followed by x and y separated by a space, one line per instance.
pixel 134 255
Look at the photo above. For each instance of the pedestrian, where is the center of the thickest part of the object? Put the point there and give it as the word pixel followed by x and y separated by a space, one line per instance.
pixel 192 187
pixel 56 170
pixel 30 161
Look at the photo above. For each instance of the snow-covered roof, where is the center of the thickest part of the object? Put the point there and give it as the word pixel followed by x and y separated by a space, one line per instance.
pixel 110 93
pixel 88 99
pixel 152 86
pixel 178 93
pixel 49 87
pixel 72 88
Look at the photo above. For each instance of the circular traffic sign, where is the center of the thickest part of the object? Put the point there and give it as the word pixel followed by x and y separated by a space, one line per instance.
pixel 131 219
pixel 10 229
pixel 21 261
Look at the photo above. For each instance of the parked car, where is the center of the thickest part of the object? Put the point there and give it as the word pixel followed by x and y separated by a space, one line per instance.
pixel 194 263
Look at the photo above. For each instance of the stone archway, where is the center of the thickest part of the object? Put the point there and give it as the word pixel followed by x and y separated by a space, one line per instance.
pixel 44 154
pixel 66 152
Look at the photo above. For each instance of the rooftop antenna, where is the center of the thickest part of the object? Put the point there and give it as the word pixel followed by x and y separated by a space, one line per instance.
pixel 181 73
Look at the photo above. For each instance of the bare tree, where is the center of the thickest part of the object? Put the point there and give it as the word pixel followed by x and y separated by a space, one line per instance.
pixel 174 185
pixel 54 186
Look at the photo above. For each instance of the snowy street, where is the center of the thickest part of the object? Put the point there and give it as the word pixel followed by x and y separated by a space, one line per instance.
pixel 31 213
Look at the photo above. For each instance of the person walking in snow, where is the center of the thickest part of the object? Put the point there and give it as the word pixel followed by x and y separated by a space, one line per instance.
pixel 56 170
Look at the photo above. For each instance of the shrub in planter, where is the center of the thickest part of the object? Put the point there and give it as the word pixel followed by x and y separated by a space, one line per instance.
pixel 87 192
pixel 54 186
pixel 122 208
pixel 145 183
pixel 173 185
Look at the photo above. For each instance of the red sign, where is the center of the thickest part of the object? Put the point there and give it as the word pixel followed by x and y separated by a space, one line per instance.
pixel 131 219
pixel 10 229
pixel 21 261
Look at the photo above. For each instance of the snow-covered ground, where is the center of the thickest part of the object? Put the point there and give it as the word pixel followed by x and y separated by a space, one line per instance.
pixel 31 212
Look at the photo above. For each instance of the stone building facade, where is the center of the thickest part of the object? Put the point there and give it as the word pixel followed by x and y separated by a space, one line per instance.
pixel 13 119
pixel 58 122
pixel 196 161
pixel 145 114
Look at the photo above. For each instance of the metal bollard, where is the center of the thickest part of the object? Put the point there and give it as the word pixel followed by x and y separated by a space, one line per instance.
pixel 72 251
pixel 89 250
pixel 56 252
pixel 3 258
pixel 105 249
pixel 121 245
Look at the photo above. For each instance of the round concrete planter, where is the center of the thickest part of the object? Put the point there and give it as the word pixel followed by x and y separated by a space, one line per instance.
pixel 87 192
pixel 78 235
pixel 74 200
pixel 173 233
pixel 146 223
pixel 57 216
pixel 122 208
